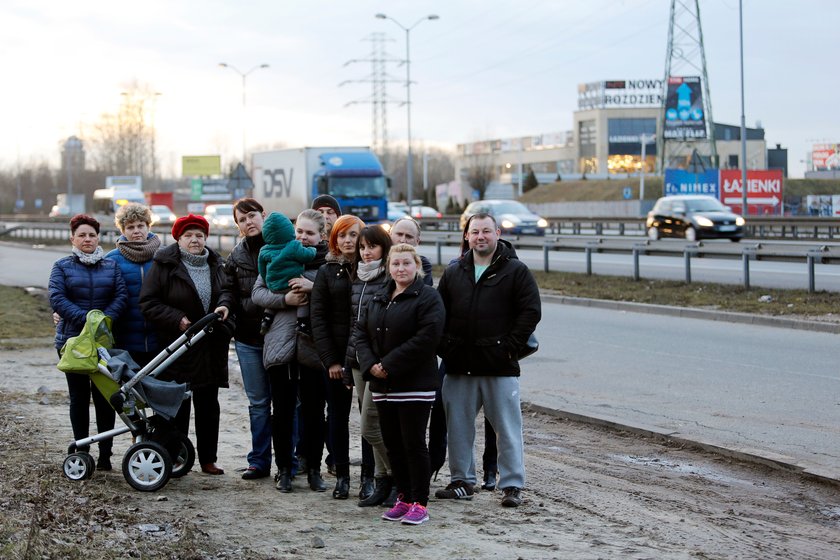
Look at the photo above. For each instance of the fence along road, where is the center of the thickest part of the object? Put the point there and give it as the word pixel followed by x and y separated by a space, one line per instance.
pixel 801 264
pixel 786 265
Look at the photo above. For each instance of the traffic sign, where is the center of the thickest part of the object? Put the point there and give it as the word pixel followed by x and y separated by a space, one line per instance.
pixel 680 181
pixel 764 191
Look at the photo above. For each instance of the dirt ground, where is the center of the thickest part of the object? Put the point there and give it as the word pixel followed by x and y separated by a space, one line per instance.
pixel 591 493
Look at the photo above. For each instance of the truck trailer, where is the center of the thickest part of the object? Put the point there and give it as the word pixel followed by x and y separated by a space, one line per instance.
pixel 288 180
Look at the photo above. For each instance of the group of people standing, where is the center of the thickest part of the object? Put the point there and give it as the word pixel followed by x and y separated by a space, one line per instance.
pixel 317 308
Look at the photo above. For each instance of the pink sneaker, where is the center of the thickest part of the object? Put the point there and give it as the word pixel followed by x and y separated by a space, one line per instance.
pixel 416 515
pixel 397 512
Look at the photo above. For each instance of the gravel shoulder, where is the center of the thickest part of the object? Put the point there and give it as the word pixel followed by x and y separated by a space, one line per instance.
pixel 591 493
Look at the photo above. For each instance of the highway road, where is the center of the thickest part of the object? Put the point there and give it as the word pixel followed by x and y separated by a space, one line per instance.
pixel 767 391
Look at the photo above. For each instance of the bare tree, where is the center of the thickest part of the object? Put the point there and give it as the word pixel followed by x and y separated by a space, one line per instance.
pixel 480 173
pixel 124 143
pixel 440 169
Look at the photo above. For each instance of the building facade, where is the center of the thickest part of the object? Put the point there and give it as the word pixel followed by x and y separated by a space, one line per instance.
pixel 613 120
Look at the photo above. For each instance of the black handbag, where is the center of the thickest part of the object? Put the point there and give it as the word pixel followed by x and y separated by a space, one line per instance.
pixel 530 347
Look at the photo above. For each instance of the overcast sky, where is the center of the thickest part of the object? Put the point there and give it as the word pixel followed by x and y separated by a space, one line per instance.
pixel 485 69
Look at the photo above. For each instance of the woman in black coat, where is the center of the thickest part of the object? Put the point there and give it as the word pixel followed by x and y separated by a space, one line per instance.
pixel 185 284
pixel 396 338
pixel 331 314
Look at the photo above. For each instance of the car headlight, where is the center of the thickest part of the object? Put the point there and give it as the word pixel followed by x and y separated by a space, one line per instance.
pixel 703 221
pixel 507 224
pixel 542 222
pixel 740 221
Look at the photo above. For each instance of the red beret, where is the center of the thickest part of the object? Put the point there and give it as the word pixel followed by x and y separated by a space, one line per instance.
pixel 190 221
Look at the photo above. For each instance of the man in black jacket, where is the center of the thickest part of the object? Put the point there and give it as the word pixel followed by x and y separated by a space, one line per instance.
pixel 492 306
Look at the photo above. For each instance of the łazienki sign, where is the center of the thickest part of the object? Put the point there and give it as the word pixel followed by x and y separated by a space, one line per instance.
pixel 620 93
pixel 764 187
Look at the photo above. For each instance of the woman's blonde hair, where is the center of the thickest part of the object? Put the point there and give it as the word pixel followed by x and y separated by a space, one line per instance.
pixel 132 212
pixel 406 248
pixel 315 217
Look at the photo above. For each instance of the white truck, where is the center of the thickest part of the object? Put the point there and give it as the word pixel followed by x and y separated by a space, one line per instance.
pixel 68 205
pixel 288 180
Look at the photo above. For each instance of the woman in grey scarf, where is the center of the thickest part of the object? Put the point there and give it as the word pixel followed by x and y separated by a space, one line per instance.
pixel 135 249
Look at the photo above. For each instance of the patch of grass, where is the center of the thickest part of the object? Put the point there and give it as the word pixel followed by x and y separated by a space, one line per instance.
pixel 800 303
pixel 24 314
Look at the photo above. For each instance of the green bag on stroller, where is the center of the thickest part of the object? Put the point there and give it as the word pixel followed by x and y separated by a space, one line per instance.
pixel 80 353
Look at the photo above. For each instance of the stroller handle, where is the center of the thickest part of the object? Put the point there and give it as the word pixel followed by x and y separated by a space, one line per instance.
pixel 201 323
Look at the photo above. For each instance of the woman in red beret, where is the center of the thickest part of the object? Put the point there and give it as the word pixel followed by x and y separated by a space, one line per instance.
pixel 183 285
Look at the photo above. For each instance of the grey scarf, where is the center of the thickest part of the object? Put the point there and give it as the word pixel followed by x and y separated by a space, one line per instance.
pixel 199 272
pixel 139 251
pixel 90 258
pixel 369 271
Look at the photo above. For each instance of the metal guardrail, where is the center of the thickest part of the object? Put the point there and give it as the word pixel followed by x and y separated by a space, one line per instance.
pixel 761 227
pixel 808 253
pixel 108 234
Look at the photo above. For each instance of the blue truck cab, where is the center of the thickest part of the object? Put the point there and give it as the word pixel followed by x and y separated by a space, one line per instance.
pixel 357 181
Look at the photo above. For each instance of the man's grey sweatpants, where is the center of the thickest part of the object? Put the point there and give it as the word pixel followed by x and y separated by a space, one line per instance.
pixel 463 397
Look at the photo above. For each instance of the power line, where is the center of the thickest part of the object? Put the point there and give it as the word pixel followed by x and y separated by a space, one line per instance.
pixel 379 98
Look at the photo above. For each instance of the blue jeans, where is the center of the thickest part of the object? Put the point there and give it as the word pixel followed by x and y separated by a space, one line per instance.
pixel 258 389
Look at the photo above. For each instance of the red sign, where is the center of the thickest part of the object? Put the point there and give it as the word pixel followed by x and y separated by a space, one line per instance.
pixel 764 191
pixel 825 156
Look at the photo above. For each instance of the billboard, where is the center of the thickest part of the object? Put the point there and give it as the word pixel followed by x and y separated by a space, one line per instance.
pixel 764 191
pixel 201 166
pixel 620 93
pixel 680 181
pixel 825 157
pixel 684 115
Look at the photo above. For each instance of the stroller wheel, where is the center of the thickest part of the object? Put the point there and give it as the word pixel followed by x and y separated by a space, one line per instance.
pixel 179 446
pixel 147 466
pixel 182 452
pixel 79 466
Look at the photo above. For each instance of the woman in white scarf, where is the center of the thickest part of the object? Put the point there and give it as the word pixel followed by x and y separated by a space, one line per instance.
pixel 371 277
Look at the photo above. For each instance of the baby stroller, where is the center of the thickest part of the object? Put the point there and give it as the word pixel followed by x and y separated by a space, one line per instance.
pixel 159 451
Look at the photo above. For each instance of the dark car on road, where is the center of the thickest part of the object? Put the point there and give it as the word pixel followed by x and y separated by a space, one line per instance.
pixel 693 217
pixel 511 216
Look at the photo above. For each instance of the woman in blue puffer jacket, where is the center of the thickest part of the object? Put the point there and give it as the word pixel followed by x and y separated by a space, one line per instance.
pixel 135 249
pixel 80 282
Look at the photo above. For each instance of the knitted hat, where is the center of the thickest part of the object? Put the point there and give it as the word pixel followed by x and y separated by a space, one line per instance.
pixel 326 200
pixel 190 221
pixel 278 229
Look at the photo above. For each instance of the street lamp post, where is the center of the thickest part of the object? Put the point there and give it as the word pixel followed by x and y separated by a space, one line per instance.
pixel 410 163
pixel 244 75
pixel 744 207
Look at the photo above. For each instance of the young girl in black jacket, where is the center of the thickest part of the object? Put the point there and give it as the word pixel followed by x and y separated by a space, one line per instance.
pixel 396 338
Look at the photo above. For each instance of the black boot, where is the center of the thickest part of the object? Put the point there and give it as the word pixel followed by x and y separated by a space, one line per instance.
pixel 366 487
pixel 284 480
pixel 366 483
pixel 316 483
pixel 392 497
pixel 380 491
pixel 342 488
